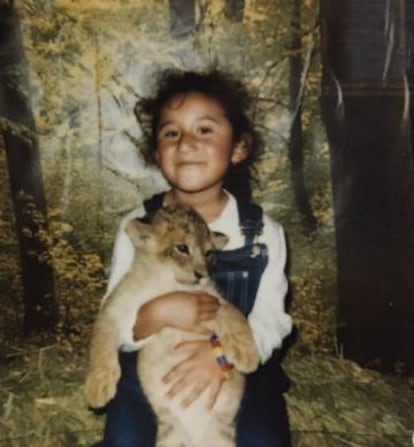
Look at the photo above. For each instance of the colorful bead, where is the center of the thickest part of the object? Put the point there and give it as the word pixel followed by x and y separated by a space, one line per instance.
pixel 221 358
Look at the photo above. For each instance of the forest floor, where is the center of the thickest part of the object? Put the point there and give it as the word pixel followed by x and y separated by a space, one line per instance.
pixel 332 402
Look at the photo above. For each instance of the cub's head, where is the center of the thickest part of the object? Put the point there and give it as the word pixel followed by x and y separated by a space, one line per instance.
pixel 178 237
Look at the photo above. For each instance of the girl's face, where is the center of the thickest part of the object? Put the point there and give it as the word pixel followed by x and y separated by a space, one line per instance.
pixel 195 143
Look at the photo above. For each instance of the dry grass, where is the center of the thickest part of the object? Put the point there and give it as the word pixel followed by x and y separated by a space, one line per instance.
pixel 42 399
pixel 332 402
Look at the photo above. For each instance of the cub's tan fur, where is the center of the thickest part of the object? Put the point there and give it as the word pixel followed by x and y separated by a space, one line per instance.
pixel 171 255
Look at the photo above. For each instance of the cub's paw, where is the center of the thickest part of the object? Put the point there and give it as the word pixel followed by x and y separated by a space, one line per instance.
pixel 100 385
pixel 245 360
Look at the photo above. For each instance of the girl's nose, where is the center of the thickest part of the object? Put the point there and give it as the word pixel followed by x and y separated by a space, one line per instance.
pixel 187 142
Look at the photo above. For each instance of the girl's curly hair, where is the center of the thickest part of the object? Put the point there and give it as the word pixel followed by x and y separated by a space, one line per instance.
pixel 237 104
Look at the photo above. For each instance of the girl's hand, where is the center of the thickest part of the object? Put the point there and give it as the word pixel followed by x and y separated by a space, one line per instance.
pixel 188 310
pixel 196 373
pixel 184 310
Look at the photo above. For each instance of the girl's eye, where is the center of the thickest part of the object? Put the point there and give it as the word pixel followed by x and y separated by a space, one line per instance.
pixel 204 130
pixel 169 134
pixel 183 249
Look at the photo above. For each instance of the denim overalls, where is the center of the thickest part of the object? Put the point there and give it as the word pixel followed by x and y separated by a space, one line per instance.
pixel 262 420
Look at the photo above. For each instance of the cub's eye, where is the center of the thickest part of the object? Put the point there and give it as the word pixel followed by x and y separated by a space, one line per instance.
pixel 182 248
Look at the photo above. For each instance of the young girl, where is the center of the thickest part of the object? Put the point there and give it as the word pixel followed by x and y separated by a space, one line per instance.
pixel 205 145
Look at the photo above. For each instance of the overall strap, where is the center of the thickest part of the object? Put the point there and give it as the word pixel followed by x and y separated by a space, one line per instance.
pixel 251 220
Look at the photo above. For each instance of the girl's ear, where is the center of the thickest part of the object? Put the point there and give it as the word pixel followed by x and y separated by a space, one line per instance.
pixel 240 150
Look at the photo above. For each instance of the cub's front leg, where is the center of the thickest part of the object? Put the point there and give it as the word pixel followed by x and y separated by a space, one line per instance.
pixel 237 339
pixel 103 369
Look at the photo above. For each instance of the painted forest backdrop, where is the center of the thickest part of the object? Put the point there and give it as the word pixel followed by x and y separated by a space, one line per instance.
pixel 332 81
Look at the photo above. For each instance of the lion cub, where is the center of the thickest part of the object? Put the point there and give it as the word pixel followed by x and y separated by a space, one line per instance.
pixel 172 253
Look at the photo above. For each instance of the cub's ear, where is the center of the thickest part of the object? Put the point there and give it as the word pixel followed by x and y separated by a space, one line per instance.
pixel 139 231
pixel 219 240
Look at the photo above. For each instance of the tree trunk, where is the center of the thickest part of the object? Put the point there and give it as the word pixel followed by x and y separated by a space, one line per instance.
pixel 365 108
pixel 295 145
pixel 409 26
pixel 234 10
pixel 18 130
pixel 182 17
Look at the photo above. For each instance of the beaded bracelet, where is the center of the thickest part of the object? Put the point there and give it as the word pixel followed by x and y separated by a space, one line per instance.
pixel 221 358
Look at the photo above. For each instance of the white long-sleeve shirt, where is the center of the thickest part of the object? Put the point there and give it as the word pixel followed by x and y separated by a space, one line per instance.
pixel 268 319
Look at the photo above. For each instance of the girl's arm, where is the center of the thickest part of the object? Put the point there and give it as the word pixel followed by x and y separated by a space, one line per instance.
pixel 184 310
pixel 123 253
pixel 269 321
